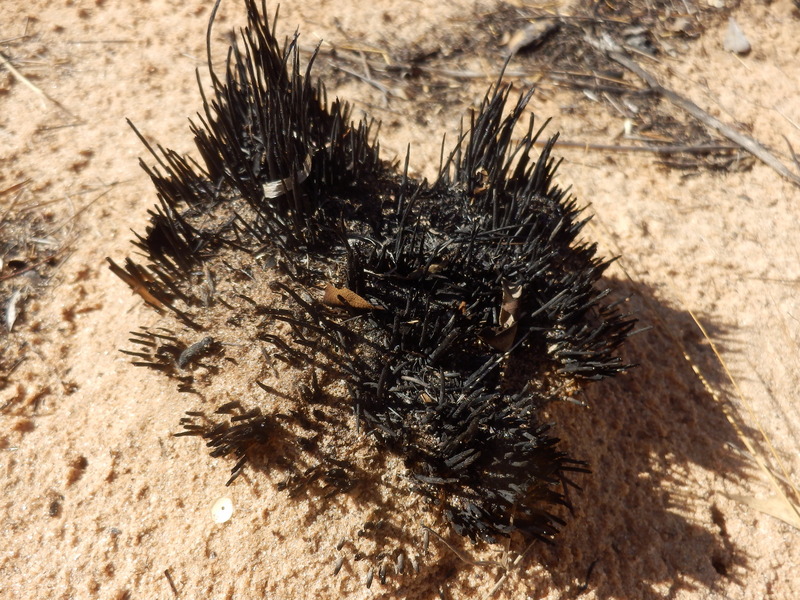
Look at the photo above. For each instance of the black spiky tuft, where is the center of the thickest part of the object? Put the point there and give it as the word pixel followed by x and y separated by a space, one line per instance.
pixel 454 311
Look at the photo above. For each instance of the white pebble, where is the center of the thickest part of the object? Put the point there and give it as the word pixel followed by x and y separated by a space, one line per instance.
pixel 222 510
pixel 735 40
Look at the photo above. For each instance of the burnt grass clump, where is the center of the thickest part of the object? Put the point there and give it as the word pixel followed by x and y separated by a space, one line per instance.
pixel 453 311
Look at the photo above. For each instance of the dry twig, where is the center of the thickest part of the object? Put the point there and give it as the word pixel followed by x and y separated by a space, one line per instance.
pixel 613 51
pixel 4 60
pixel 14 188
pixel 667 149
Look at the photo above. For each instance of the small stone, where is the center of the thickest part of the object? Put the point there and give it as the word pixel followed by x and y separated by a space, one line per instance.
pixel 680 25
pixel 735 40
pixel 222 510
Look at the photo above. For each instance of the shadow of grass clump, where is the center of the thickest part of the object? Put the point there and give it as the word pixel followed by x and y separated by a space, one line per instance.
pixel 644 523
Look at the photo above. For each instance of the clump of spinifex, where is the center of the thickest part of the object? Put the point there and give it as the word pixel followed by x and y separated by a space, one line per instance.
pixel 438 319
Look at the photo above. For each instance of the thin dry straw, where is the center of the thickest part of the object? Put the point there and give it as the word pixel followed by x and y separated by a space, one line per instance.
pixel 726 408
pixel 729 415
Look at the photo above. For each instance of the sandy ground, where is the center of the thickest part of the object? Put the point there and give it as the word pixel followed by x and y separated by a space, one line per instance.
pixel 100 500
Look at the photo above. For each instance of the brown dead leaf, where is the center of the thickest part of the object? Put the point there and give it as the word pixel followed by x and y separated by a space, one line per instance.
pixel 500 339
pixel 344 298
pixel 483 184
pixel 509 310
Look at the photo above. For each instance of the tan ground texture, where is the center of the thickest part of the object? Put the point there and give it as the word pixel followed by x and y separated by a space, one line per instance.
pixel 100 500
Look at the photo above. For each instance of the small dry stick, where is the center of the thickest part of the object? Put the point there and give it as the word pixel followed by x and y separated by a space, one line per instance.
pixel 670 149
pixel 15 187
pixel 463 557
pixel 171 583
pixel 507 572
pixel 791 151
pixel 25 81
pixel 9 190
pixel 613 51
pixel 369 80
pixel 77 213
